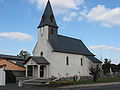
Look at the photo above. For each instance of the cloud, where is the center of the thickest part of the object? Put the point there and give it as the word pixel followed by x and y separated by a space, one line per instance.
pixel 16 35
pixel 4 51
pixel 106 16
pixel 70 16
pixel 59 6
pixel 106 25
pixel 103 47
pixel 83 14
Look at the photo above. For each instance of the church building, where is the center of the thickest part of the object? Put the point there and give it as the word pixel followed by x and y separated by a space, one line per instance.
pixel 57 55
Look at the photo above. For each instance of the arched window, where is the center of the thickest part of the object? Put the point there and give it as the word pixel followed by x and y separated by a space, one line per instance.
pixel 67 60
pixel 81 61
pixel 41 53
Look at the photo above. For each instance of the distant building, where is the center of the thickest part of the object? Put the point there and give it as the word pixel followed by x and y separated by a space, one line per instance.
pixel 2 75
pixel 58 55
pixel 13 63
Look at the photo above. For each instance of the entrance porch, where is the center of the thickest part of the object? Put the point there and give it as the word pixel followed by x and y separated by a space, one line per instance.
pixel 37 67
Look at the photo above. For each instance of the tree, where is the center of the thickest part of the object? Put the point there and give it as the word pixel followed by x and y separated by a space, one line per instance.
pixel 118 67
pixel 24 54
pixel 95 71
pixel 106 66
pixel 115 68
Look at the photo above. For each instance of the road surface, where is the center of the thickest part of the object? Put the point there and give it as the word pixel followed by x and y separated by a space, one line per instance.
pixel 30 87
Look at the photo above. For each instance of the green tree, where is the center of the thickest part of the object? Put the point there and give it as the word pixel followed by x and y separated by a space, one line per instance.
pixel 118 67
pixel 115 68
pixel 106 66
pixel 24 54
pixel 95 71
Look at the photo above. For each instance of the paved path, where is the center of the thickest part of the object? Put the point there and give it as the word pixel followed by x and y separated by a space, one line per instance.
pixel 26 87
pixel 108 87
pixel 91 85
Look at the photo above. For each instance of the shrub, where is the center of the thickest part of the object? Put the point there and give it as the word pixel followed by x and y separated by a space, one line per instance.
pixel 95 72
pixel 10 77
pixel 62 82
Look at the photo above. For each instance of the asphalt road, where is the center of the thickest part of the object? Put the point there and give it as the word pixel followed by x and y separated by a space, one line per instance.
pixel 108 87
pixel 30 87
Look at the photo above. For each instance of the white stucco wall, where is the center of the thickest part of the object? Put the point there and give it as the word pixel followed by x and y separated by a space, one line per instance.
pixel 2 77
pixel 58 64
pixel 35 73
pixel 31 62
pixel 43 46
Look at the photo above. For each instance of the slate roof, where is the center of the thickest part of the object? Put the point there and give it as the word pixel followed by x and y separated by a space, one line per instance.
pixel 11 57
pixel 48 13
pixel 93 59
pixel 69 45
pixel 38 60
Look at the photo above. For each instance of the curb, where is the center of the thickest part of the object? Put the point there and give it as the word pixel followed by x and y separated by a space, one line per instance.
pixel 90 85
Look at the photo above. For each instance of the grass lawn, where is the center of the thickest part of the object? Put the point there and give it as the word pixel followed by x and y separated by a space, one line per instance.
pixel 104 80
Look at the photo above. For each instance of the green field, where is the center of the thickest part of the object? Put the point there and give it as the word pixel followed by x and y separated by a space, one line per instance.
pixel 104 80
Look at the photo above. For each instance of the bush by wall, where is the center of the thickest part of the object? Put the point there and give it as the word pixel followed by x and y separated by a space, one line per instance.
pixel 62 82
pixel 10 77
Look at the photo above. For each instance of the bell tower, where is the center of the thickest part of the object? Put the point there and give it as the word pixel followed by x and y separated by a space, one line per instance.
pixel 48 27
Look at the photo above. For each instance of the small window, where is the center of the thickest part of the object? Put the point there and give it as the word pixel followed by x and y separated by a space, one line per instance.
pixel 52 31
pixel 67 60
pixel 97 65
pixel 43 19
pixel 51 19
pixel 41 53
pixel 81 61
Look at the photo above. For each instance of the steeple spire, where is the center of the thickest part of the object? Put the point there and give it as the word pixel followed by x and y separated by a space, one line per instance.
pixel 48 17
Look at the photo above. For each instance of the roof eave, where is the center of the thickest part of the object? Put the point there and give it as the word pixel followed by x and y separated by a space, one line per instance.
pixel 74 53
pixel 44 63
pixel 48 25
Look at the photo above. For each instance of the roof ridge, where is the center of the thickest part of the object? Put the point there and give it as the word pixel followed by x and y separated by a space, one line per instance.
pixel 70 37
pixel 4 56
pixel 15 64
pixel 36 56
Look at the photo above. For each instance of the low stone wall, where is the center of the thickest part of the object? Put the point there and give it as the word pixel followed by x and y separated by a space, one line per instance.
pixel 19 73
pixel 66 79
pixel 83 78
pixel 109 75
pixel 75 78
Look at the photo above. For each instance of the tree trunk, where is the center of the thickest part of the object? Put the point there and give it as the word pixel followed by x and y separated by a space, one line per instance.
pixel 94 78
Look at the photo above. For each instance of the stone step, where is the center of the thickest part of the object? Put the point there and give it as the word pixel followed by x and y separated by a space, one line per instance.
pixel 36 81
pixel 33 84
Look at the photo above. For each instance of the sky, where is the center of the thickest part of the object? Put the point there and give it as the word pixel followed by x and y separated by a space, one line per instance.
pixel 95 22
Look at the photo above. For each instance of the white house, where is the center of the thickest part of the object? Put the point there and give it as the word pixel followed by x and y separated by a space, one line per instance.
pixel 2 75
pixel 58 55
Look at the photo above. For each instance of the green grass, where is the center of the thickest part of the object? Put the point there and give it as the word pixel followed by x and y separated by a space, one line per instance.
pixel 105 80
